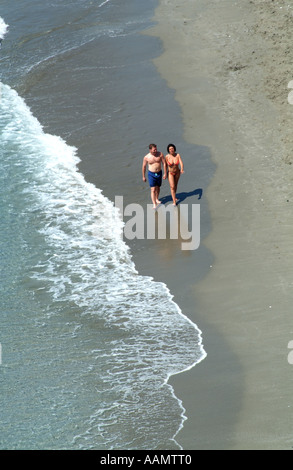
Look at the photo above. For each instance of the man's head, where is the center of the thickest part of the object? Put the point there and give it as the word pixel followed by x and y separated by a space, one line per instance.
pixel 153 149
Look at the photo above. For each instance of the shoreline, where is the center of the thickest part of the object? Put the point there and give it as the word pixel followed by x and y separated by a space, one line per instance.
pixel 100 153
pixel 228 57
pixel 236 288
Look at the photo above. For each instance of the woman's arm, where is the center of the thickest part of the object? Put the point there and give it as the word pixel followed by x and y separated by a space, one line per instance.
pixel 181 163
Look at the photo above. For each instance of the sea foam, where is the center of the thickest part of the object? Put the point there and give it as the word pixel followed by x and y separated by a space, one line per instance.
pixel 3 28
pixel 87 266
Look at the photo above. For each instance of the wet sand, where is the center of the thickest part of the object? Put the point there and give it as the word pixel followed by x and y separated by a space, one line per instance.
pixel 230 63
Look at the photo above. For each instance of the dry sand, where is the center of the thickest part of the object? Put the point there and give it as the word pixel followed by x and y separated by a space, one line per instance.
pixel 230 63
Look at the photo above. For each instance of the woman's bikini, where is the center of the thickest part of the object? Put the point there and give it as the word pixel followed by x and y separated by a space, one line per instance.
pixel 174 166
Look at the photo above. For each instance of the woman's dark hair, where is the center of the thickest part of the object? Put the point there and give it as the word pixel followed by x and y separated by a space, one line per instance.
pixel 171 145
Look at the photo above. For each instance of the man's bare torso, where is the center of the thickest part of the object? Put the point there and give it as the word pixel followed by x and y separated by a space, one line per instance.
pixel 154 161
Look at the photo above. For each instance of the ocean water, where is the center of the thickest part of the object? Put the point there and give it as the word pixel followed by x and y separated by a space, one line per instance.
pixel 86 352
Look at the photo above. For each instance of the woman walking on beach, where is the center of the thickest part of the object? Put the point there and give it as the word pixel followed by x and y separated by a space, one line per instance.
pixel 173 160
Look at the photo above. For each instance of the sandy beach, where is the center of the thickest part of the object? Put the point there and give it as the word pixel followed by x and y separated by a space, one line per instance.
pixel 230 64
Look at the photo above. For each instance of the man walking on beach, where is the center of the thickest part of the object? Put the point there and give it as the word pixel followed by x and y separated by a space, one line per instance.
pixel 154 159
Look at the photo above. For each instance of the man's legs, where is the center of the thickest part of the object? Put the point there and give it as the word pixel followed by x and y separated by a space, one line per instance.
pixel 158 189
pixel 154 196
pixel 155 191
pixel 155 180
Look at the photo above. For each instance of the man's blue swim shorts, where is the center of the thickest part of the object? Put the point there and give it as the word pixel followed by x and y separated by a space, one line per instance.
pixel 155 179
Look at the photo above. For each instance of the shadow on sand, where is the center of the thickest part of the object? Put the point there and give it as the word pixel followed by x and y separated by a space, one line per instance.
pixel 182 196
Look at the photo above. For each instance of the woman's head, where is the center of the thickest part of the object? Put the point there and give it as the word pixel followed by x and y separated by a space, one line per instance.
pixel 169 146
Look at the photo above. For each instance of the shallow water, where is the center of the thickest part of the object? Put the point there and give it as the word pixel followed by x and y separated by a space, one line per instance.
pixel 86 353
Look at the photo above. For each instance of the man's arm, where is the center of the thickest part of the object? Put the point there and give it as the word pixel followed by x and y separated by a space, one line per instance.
pixel 164 165
pixel 144 165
